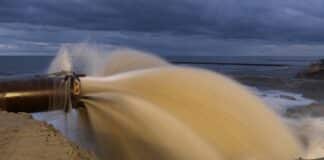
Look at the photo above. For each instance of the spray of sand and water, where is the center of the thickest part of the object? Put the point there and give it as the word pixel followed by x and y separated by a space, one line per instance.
pixel 140 107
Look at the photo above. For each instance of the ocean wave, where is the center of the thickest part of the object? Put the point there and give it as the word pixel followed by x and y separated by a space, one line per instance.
pixel 280 101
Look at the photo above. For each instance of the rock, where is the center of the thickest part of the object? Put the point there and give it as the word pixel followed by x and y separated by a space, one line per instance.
pixel 314 71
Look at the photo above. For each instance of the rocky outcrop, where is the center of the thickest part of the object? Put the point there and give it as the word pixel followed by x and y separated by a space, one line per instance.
pixel 314 71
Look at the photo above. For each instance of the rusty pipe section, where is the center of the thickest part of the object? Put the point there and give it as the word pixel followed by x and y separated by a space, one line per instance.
pixel 37 93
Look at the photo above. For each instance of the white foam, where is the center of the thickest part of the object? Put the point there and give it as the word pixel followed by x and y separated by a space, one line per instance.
pixel 308 129
pixel 280 101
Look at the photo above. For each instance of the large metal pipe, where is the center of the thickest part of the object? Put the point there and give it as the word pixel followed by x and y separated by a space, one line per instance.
pixel 36 93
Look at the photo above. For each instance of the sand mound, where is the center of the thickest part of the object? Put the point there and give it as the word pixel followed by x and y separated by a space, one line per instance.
pixel 22 137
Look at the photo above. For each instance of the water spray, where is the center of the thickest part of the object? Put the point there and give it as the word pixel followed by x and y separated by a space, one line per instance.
pixel 37 93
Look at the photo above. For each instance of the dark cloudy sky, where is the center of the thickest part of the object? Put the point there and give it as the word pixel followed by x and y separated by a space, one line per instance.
pixel 170 27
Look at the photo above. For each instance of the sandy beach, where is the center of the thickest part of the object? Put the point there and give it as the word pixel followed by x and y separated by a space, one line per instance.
pixel 23 138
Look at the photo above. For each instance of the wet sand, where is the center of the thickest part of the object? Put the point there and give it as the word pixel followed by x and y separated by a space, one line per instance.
pixel 23 138
pixel 313 110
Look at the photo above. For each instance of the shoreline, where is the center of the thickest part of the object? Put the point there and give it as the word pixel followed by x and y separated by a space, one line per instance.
pixel 310 111
pixel 309 88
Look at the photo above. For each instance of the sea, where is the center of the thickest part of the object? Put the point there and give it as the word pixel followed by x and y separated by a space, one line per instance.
pixel 275 66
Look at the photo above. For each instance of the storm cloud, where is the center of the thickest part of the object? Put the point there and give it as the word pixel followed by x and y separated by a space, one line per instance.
pixel 235 27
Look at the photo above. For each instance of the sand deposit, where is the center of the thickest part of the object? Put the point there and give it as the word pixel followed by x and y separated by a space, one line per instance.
pixel 23 138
